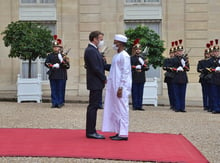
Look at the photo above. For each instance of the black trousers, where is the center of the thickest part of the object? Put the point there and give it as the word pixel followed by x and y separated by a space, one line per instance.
pixel 94 100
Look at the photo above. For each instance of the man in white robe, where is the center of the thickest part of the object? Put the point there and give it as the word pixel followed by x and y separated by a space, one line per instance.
pixel 118 89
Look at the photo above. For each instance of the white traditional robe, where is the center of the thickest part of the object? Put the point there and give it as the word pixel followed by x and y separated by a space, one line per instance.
pixel 116 110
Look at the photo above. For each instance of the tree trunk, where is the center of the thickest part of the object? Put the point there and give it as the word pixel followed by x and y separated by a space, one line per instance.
pixel 29 68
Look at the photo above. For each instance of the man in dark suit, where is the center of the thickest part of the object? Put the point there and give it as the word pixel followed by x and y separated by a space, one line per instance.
pixel 96 79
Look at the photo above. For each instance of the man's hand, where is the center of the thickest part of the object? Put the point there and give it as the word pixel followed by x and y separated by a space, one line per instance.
pixel 119 92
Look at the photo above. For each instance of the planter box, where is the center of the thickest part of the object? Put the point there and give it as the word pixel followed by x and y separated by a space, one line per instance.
pixel 150 91
pixel 29 89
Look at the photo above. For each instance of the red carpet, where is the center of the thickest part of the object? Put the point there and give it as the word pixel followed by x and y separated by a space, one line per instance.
pixel 73 143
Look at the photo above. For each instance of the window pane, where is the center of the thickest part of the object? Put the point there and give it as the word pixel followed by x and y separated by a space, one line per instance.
pixel 44 70
pixel 28 1
pixel 151 0
pixel 133 1
pixel 25 69
pixel 47 1
pixel 142 1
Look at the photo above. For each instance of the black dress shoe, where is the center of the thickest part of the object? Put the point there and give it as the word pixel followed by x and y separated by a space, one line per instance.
pixel 60 106
pixel 215 112
pixel 134 108
pixel 113 136
pixel 141 109
pixel 182 111
pixel 205 108
pixel 53 106
pixel 95 136
pixel 119 138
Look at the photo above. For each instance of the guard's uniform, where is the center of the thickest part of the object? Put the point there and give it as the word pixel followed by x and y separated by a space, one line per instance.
pixel 201 68
pixel 57 76
pixel 138 80
pixel 180 81
pixel 180 66
pixel 168 77
pixel 209 78
pixel 138 68
pixel 215 79
pixel 215 86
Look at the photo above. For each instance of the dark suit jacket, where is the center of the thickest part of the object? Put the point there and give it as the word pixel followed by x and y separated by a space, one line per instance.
pixel 95 68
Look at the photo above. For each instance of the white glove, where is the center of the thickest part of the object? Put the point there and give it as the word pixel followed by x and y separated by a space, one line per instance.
pixel 138 67
pixel 183 62
pixel 179 68
pixel 217 68
pixel 57 65
pixel 60 57
pixel 141 61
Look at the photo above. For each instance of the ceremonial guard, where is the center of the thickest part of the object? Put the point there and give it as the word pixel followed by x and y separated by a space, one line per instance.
pixel 201 68
pixel 169 75
pixel 58 63
pixel 180 65
pixel 215 78
pixel 139 66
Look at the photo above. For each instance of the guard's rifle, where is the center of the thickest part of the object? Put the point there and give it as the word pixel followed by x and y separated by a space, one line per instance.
pixel 145 53
pixel 66 53
pixel 65 57
pixel 185 54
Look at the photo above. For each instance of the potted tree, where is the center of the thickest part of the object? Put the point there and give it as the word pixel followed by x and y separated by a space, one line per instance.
pixel 153 49
pixel 28 41
pixel 147 38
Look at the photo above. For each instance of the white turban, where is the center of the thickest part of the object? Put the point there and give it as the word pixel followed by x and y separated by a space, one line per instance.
pixel 121 38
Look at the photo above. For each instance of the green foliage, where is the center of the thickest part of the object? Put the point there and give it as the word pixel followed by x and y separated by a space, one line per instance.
pixel 147 38
pixel 27 40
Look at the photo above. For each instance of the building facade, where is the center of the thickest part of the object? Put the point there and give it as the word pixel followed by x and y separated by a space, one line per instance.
pixel 194 21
